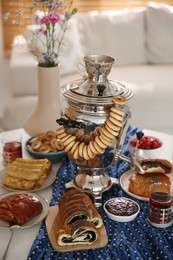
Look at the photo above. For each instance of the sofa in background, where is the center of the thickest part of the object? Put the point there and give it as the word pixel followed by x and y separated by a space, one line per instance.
pixel 140 40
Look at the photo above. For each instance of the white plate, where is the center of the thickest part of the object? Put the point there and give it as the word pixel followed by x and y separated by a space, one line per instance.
pixel 124 182
pixel 49 180
pixel 35 220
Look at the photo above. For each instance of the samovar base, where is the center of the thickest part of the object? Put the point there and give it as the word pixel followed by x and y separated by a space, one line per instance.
pixel 94 184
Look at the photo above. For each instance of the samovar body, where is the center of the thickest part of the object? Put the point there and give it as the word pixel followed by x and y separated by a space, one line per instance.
pixel 86 105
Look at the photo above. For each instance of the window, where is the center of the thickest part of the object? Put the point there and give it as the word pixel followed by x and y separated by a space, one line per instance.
pixel 9 30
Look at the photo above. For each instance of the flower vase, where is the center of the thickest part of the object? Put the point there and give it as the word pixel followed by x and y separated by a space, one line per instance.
pixel 48 107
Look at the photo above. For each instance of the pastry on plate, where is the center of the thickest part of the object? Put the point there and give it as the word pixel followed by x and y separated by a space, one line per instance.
pixel 26 174
pixel 155 165
pixel 140 183
pixel 17 209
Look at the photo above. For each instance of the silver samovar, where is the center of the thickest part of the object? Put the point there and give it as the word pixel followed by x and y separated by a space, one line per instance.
pixel 86 108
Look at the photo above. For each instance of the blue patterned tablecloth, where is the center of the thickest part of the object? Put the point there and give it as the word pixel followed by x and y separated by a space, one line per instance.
pixel 132 240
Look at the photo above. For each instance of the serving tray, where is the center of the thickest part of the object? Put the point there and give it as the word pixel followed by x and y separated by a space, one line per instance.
pixel 53 224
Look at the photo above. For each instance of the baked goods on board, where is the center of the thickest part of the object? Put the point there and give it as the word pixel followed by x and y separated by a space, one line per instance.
pixel 80 219
pixel 17 209
pixel 26 174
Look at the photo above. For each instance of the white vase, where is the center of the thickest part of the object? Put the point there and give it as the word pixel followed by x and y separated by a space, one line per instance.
pixel 48 107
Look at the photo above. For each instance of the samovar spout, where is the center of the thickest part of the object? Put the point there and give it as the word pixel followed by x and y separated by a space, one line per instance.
pixel 133 163
pixel 131 160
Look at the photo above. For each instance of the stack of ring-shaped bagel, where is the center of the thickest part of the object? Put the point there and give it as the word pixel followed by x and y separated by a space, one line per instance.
pixel 87 147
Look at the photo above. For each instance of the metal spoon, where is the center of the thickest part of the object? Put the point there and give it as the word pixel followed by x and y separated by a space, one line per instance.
pixel 139 135
pixel 12 229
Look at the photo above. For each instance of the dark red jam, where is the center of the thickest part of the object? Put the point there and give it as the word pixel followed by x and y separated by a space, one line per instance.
pixel 121 207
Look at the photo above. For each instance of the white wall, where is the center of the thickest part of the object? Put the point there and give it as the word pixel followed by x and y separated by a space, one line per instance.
pixel 4 74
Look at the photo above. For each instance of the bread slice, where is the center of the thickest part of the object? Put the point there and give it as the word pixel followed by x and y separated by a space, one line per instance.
pixel 140 183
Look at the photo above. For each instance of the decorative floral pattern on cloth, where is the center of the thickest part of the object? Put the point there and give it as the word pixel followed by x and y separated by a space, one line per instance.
pixel 132 240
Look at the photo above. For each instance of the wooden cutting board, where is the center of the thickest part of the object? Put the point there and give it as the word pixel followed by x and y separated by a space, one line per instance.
pixel 53 224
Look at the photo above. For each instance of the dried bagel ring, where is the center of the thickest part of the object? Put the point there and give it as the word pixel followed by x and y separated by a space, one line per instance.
pixel 100 143
pixel 41 136
pixel 29 147
pixel 52 150
pixel 98 148
pixel 60 136
pixel 44 149
pixel 108 143
pixel 69 140
pixel 36 145
pixel 115 121
pixel 87 139
pixel 96 131
pixel 81 146
pixel 107 133
pixel 116 116
pixel 110 130
pixel 56 144
pixel 65 138
pixel 60 130
pixel 85 153
pixel 50 135
pixel 113 126
pixel 69 146
pixel 90 153
pixel 92 148
pixel 119 100
pixel 76 153
pixel 79 134
pixel 53 142
pixel 106 137
pixel 33 140
pixel 91 136
pixel 119 112
pixel 74 146
pixel 59 145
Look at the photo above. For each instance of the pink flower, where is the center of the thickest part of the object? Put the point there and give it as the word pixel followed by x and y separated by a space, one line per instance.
pixel 52 17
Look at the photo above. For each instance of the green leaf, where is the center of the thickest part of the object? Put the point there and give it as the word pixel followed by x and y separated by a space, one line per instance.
pixel 74 11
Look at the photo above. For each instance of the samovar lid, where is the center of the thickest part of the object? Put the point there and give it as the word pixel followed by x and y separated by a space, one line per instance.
pixel 95 87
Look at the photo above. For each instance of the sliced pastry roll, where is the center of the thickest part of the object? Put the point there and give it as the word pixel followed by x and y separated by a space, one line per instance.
pixel 79 232
pixel 80 219
pixel 76 205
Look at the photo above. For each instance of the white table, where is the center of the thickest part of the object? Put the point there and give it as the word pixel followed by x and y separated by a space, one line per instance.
pixel 23 238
